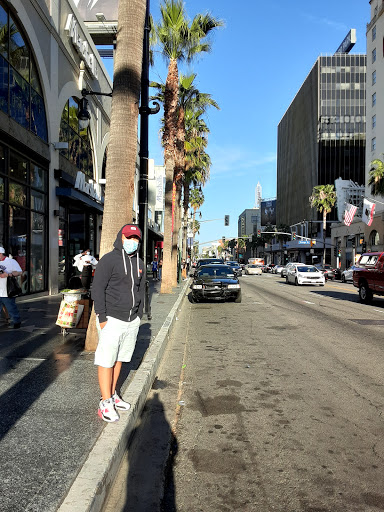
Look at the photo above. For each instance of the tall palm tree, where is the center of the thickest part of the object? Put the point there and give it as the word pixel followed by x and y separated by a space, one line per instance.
pixel 197 200
pixel 122 148
pixel 376 177
pixel 323 198
pixel 179 39
pixel 191 162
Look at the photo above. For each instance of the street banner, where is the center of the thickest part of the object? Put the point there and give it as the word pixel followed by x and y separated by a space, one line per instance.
pixel 349 213
pixel 368 210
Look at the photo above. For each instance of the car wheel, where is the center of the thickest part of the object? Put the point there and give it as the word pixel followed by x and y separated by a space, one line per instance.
pixel 365 293
pixel 238 298
pixel 286 280
pixel 343 279
pixel 194 299
pixel 296 282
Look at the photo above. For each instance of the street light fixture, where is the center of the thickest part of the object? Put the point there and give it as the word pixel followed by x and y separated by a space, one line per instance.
pixel 84 116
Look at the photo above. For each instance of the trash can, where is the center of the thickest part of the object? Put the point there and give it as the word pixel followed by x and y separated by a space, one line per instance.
pixel 74 311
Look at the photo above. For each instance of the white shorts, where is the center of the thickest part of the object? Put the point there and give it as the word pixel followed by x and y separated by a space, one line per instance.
pixel 117 341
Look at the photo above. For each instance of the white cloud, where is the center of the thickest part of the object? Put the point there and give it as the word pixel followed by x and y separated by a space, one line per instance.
pixel 326 21
pixel 238 161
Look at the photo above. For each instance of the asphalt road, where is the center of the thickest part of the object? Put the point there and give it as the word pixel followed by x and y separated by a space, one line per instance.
pixel 274 404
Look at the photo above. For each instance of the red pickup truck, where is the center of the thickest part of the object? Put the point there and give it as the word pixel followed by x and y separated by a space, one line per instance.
pixel 368 277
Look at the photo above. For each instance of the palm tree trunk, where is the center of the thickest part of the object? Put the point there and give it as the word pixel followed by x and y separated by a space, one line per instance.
pixel 324 232
pixel 122 148
pixel 170 109
pixel 176 230
pixel 185 224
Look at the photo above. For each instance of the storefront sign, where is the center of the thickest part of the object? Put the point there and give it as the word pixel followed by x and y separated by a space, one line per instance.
pixel 81 45
pixel 91 189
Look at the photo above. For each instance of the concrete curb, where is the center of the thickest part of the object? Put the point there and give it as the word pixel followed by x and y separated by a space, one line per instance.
pixel 90 488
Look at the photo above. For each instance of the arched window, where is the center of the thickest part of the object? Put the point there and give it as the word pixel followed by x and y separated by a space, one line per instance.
pixel 104 167
pixel 20 90
pixel 79 150
pixel 374 238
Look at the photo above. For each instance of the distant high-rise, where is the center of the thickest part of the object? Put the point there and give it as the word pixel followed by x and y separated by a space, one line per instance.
pixel 258 195
pixel 321 137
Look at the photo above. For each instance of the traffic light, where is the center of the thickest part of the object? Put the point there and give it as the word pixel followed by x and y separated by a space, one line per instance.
pixel 258 232
pixel 364 247
pixel 226 220
pixel 293 236
pixel 335 251
pixel 223 239
pixel 339 253
pixel 353 242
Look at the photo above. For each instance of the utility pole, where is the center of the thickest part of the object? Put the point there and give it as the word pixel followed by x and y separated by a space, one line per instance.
pixel 145 111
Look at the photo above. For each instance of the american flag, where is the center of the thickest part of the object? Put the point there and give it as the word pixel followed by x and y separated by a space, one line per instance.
pixel 349 213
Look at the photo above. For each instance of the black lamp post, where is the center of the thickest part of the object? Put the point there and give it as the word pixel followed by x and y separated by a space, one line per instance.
pixel 84 116
pixel 145 111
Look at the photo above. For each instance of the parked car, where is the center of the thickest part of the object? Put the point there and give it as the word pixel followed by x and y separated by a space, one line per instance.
pixel 217 282
pixel 305 274
pixel 235 267
pixel 253 270
pixel 287 266
pixel 205 261
pixel 327 270
pixel 347 274
pixel 277 269
pixel 368 275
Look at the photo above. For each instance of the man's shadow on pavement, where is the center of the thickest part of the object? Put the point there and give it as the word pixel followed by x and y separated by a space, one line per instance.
pixel 151 457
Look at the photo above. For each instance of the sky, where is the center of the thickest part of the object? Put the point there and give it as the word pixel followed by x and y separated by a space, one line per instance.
pixel 258 62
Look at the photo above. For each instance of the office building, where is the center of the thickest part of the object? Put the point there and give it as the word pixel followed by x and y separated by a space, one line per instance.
pixel 321 137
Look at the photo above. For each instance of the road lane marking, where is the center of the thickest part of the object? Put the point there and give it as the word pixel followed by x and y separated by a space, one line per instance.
pixel 307 302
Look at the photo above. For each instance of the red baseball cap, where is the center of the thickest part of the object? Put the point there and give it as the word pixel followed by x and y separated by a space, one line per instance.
pixel 132 230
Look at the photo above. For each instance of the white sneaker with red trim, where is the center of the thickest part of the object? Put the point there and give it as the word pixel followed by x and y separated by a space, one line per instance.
pixel 107 411
pixel 119 402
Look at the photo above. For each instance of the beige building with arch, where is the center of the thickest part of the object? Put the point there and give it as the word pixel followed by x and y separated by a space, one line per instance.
pixel 51 167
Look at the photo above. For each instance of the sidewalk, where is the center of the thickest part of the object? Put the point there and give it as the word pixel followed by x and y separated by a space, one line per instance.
pixel 50 434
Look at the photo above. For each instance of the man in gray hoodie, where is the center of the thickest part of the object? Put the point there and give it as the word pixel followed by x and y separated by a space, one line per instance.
pixel 118 295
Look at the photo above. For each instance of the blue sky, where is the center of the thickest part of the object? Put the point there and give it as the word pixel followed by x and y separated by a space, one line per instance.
pixel 258 62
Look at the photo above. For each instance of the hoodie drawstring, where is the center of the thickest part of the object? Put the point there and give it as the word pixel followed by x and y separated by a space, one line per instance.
pixel 125 264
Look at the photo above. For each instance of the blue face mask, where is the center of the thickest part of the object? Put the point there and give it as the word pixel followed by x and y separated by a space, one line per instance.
pixel 130 245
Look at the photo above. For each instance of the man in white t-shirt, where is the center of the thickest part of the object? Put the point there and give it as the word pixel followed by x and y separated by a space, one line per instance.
pixel 9 267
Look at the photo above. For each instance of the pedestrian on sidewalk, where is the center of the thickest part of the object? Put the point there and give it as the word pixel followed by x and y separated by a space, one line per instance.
pixel 154 270
pixel 85 263
pixel 118 294
pixel 160 269
pixel 9 267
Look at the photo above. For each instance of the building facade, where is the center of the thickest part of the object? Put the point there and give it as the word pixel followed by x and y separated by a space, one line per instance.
pixel 354 239
pixel 321 138
pixel 51 197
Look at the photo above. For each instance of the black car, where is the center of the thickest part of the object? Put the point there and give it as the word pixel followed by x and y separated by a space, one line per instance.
pixel 205 261
pixel 327 270
pixel 217 282
pixel 236 267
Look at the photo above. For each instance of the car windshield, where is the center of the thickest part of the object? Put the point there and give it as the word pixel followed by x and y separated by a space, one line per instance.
pixel 307 269
pixel 232 263
pixel 254 266
pixel 215 272
pixel 208 262
pixel 368 259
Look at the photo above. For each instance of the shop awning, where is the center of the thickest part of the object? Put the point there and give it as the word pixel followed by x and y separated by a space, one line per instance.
pixel 72 193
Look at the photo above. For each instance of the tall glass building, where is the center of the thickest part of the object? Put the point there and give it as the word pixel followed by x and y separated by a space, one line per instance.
pixel 321 137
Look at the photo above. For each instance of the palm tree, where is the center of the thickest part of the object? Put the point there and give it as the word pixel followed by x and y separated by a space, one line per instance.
pixel 197 200
pixel 178 39
pixel 323 198
pixel 191 162
pixel 376 175
pixel 122 148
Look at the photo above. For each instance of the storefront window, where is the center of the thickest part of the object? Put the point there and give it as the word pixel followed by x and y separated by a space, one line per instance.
pixel 23 220
pixel 3 32
pixel 79 150
pixel 37 265
pixel 20 88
